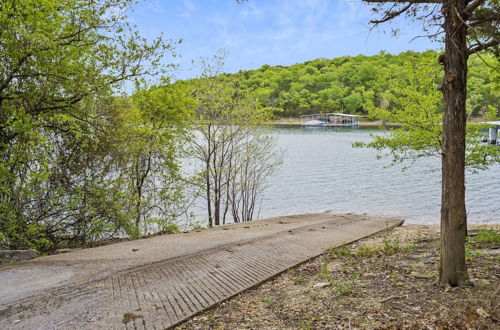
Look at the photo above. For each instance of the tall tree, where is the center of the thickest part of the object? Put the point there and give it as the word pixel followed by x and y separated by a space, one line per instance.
pixel 54 53
pixel 469 27
pixel 417 107
pixel 230 146
pixel 62 62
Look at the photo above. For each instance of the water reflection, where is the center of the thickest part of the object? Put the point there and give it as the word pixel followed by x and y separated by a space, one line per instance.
pixel 322 172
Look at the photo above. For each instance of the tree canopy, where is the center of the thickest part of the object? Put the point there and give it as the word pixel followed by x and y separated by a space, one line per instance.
pixel 67 139
pixel 355 84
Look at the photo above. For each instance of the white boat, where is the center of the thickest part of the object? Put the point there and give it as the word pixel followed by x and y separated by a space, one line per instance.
pixel 314 123
pixel 331 120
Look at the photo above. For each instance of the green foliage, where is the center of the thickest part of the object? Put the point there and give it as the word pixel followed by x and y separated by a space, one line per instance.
pixel 364 251
pixel 341 251
pixel 342 288
pixel 415 105
pixel 157 120
pixel 470 251
pixel 230 146
pixel 270 303
pixel 299 279
pixel 488 236
pixel 314 295
pixel 357 84
pixel 197 227
pixel 484 238
pixel 390 246
pixel 68 143
pixel 171 228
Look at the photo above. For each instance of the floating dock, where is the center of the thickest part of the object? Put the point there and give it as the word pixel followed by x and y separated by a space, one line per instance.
pixel 330 120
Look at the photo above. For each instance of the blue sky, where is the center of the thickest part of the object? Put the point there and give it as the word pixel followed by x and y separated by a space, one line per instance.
pixel 274 32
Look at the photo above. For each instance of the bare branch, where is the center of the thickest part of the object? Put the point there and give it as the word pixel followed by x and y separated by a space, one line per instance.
pixel 392 14
pixel 480 20
pixel 484 46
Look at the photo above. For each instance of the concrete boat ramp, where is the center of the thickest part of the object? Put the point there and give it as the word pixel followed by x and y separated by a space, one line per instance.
pixel 156 283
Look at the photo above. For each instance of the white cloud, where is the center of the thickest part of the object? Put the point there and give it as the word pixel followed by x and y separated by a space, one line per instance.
pixel 155 6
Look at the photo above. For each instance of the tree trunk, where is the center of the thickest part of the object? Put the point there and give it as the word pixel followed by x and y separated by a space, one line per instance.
pixel 207 191
pixel 207 175
pixel 453 213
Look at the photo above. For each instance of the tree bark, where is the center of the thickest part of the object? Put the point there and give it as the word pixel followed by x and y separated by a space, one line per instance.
pixel 453 213
pixel 207 176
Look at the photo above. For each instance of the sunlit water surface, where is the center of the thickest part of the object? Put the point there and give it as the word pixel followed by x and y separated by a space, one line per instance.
pixel 323 172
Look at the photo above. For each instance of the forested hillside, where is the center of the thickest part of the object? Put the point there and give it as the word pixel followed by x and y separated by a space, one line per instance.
pixel 354 84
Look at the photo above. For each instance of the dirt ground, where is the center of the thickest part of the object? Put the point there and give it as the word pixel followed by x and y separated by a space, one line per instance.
pixel 384 282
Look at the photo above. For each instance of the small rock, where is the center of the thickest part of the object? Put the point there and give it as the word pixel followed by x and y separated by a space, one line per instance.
pixel 17 255
pixel 481 312
pixel 16 321
pixel 135 250
pixel 321 285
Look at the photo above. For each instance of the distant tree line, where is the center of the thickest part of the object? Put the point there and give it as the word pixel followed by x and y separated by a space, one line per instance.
pixel 353 84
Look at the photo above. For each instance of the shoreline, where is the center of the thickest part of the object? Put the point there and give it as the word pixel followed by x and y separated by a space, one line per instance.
pixel 298 121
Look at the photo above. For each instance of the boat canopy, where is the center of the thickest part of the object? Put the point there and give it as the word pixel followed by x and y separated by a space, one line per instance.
pixel 332 119
pixel 331 114
pixel 494 123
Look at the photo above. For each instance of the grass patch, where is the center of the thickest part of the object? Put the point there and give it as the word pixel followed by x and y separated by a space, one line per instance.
pixel 471 253
pixel 341 251
pixel 364 251
pixel 488 237
pixel 391 246
pixel 314 295
pixel 299 279
pixel 270 303
pixel 483 239
pixel 342 288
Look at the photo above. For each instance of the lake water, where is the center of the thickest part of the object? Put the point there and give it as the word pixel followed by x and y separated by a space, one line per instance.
pixel 322 172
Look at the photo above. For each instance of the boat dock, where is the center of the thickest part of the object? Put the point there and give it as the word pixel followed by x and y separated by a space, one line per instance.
pixel 492 132
pixel 330 120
